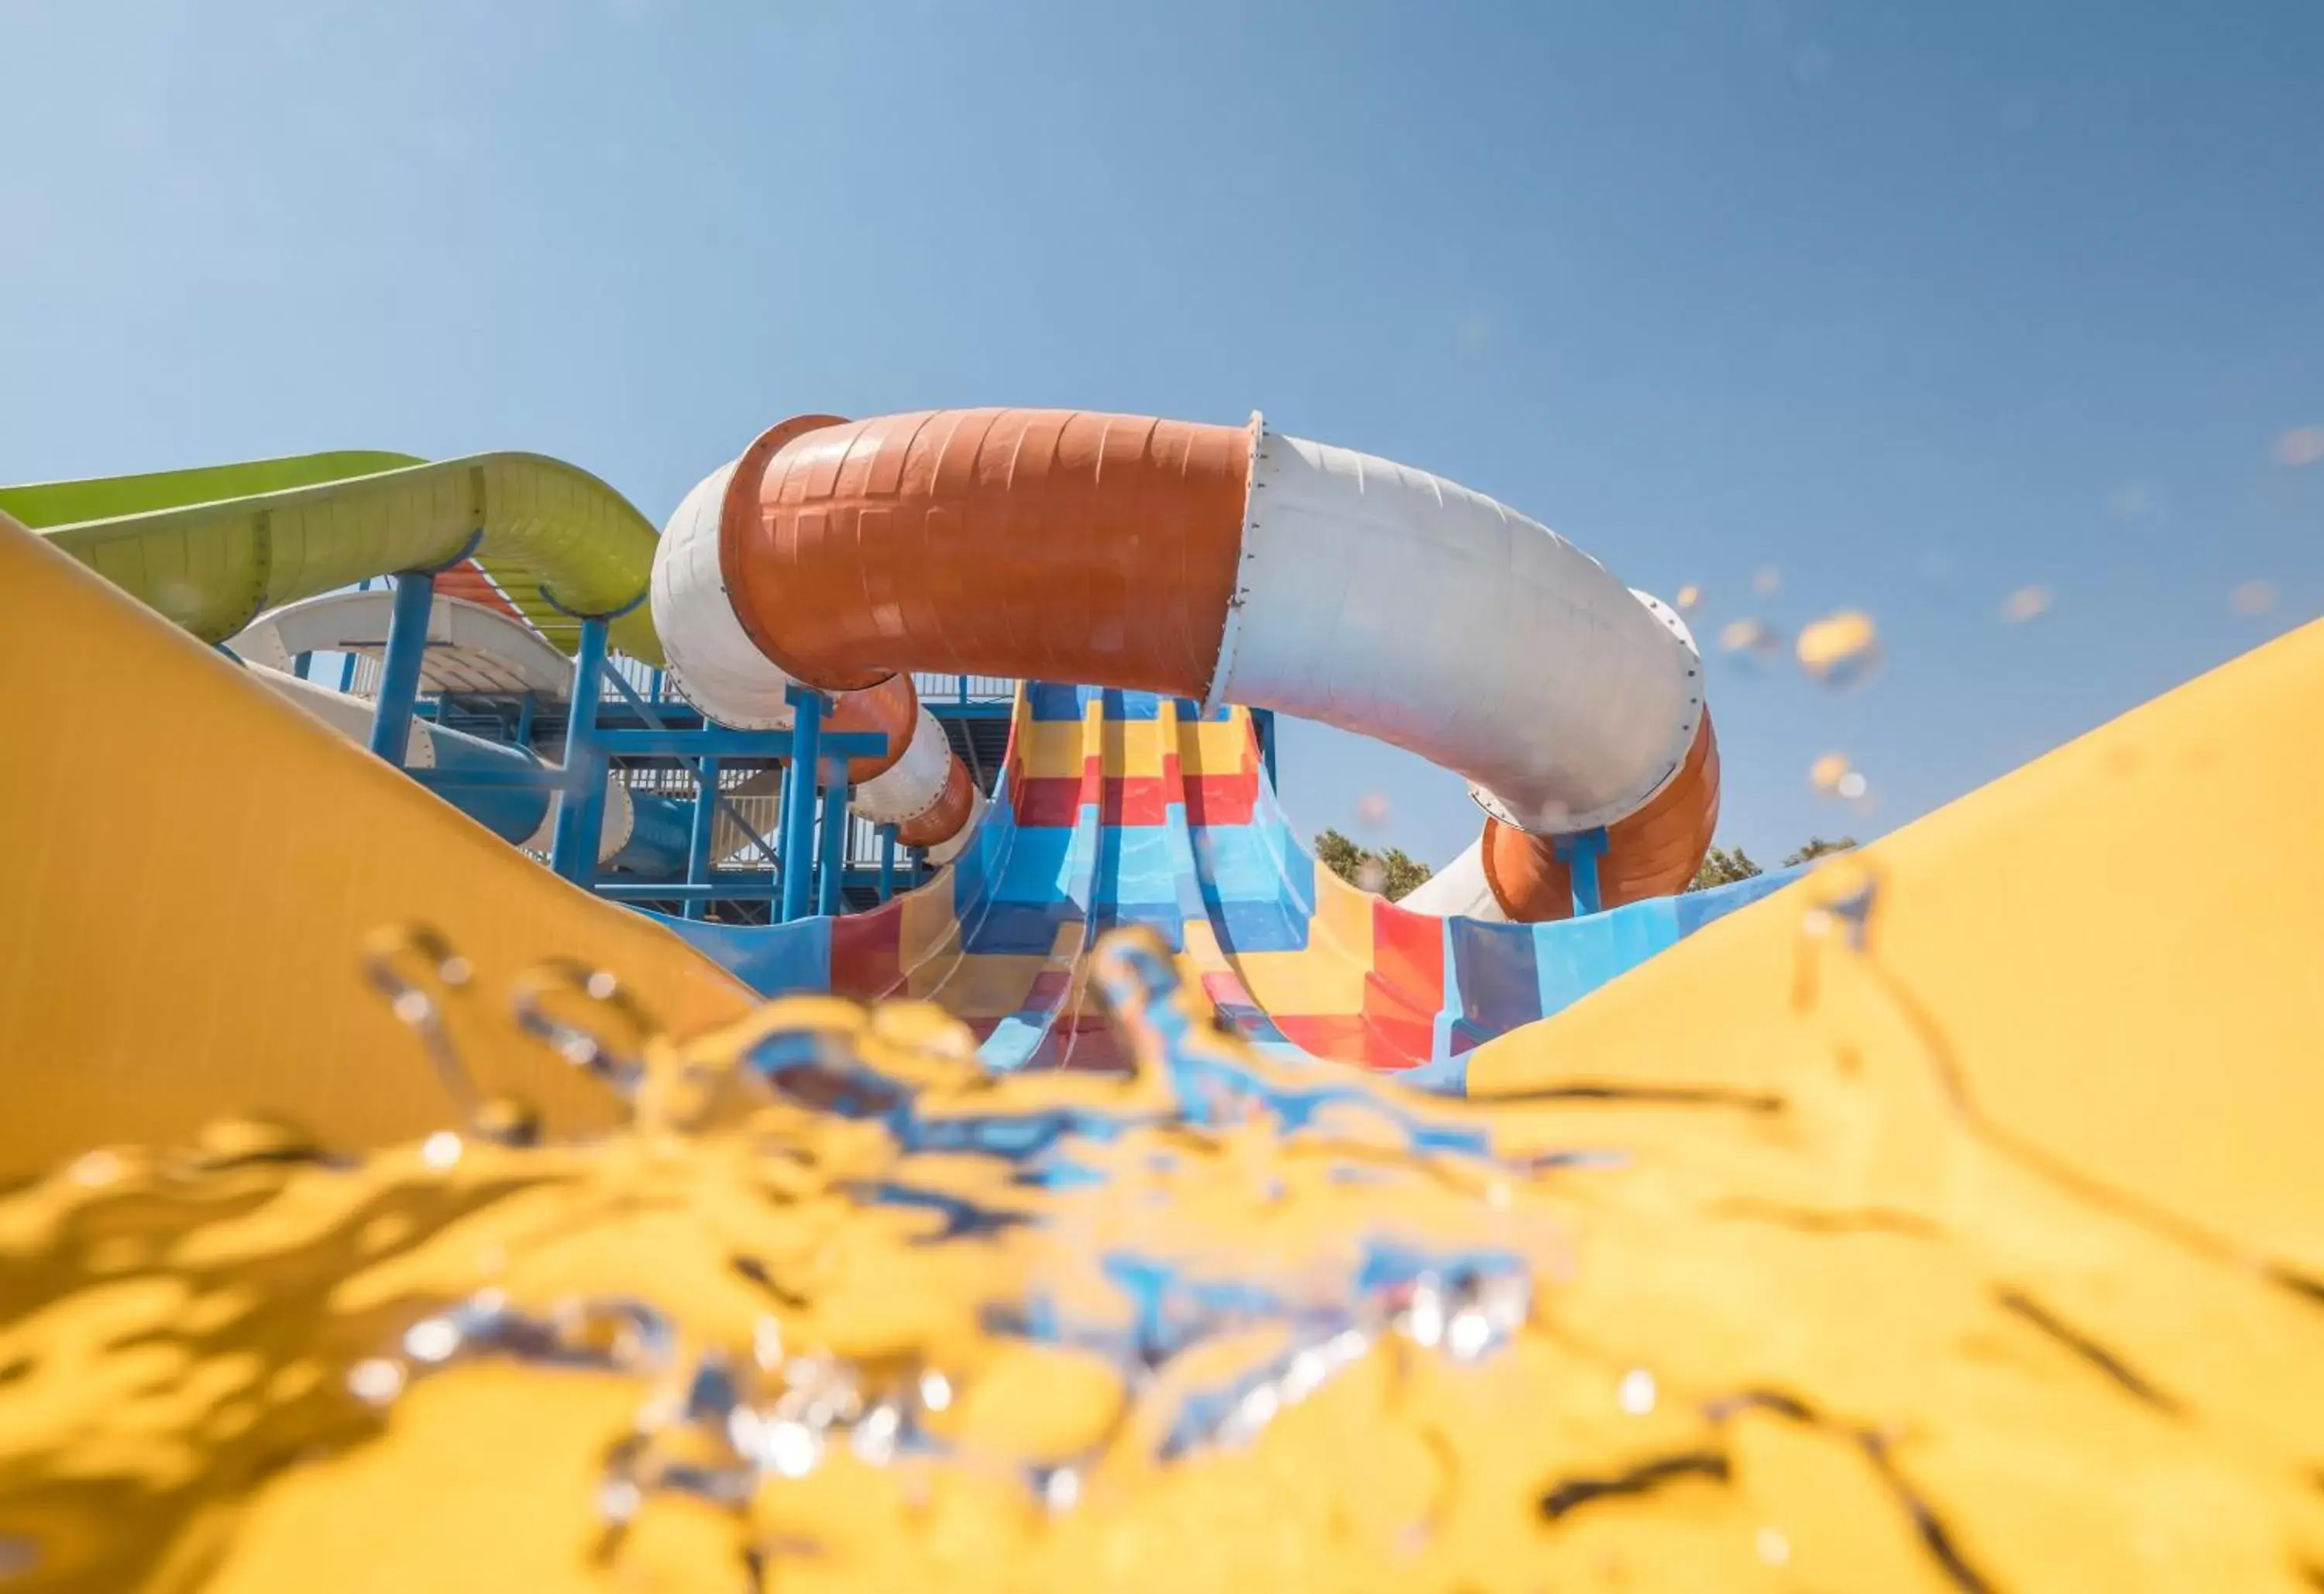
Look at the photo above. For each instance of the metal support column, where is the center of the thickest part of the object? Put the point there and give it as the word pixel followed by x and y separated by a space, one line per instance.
pixel 526 707
pixel 797 818
pixel 581 803
pixel 399 674
pixel 1580 854
pixel 887 862
pixel 302 665
pixel 706 819
pixel 831 853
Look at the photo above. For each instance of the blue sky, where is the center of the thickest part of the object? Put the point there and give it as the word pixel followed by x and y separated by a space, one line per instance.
pixel 1915 304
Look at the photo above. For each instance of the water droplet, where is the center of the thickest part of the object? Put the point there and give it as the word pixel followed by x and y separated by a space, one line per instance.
pixel 1638 1393
pixel 1372 809
pixel 1371 875
pixel 1828 772
pixel 2027 602
pixel 1752 639
pixel 2252 597
pixel 94 1169
pixel 1690 597
pixel 1851 784
pixel 375 1381
pixel 1062 1489
pixel 1768 581
pixel 2301 445
pixel 1840 650
pixel 1424 1320
pixel 1774 1548
pixel 432 1339
pixel 874 1438
pixel 1470 1335
pixel 936 1391
pixel 618 1499
pixel 440 1150
pixel 790 1448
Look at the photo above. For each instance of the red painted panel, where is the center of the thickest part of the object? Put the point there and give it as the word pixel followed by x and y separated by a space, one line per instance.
pixel 1223 799
pixel 1047 800
pixel 1134 799
pixel 1408 955
pixel 865 962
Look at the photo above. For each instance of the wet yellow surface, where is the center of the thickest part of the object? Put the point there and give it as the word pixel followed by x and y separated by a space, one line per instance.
pixel 839 1310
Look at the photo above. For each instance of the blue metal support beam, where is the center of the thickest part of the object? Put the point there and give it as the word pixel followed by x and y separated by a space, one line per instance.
pixel 399 675
pixel 831 854
pixel 1580 854
pixel 705 815
pixel 797 819
pixel 302 665
pixel 758 887
pixel 527 705
pixel 581 803
pixel 887 862
pixel 721 742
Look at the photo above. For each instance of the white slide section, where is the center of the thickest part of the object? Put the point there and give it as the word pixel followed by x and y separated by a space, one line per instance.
pixel 1384 600
pixel 351 716
pixel 474 649
pixel 1457 890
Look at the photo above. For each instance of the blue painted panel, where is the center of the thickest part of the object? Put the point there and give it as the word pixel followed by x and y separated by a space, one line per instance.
pixel 1698 908
pixel 773 960
pixel 1495 977
pixel 1052 700
pixel 1136 865
pixel 1017 928
pixel 1162 918
pixel 1573 957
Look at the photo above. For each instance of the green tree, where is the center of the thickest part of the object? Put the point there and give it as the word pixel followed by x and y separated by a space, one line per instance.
pixel 1723 866
pixel 1392 874
pixel 1817 847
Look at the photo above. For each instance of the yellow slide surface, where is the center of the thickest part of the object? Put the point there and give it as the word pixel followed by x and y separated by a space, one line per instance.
pixel 2111 960
pixel 196 867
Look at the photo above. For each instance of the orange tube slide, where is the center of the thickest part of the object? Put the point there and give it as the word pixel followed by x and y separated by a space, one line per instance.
pixel 1655 852
pixel 1065 546
pixel 1052 544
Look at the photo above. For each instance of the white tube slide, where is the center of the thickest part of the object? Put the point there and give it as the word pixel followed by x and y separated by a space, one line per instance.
pixel 351 717
pixel 1382 599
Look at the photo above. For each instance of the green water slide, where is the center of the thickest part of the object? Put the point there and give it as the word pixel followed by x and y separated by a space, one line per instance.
pixel 213 548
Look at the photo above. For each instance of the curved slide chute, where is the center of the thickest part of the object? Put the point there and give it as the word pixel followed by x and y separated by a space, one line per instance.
pixel 1220 564
pixel 470 649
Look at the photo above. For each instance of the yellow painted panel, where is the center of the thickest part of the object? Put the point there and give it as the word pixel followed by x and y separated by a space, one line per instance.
pixel 2115 954
pixel 1050 749
pixel 930 920
pixel 987 985
pixel 1207 746
pixel 197 863
pixel 1343 923
pixel 1316 981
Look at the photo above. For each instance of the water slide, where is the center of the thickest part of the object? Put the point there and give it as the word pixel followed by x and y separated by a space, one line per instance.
pixel 1186 570
pixel 477 647
pixel 1952 1220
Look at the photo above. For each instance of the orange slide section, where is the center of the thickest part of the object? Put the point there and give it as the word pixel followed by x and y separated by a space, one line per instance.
pixel 1046 543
